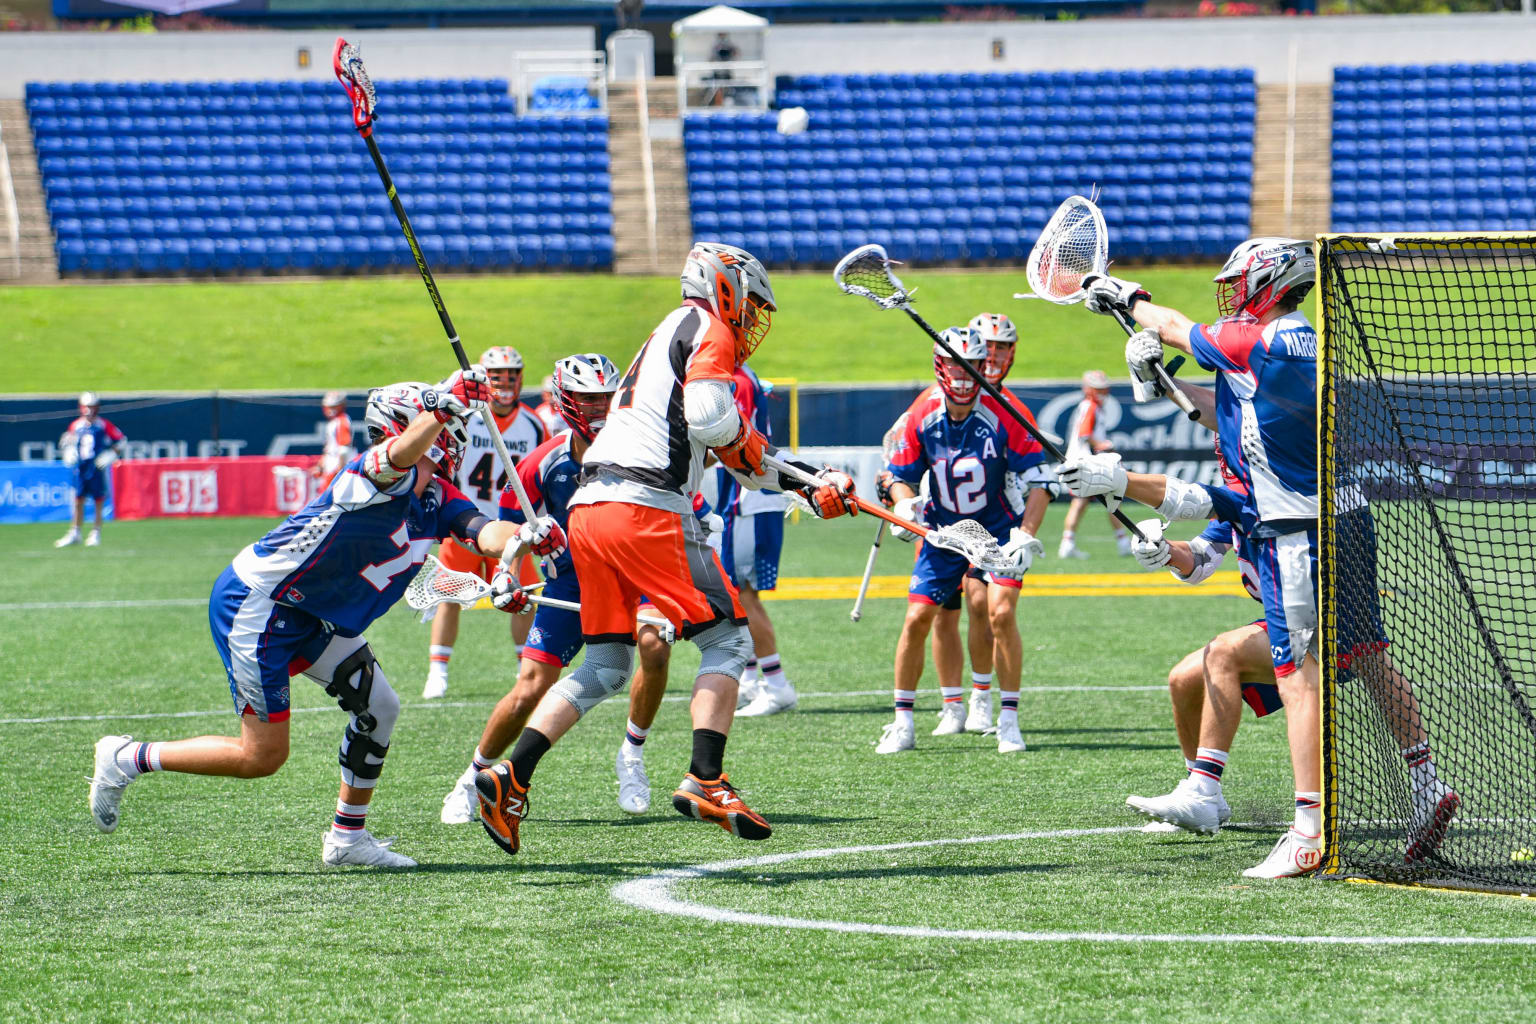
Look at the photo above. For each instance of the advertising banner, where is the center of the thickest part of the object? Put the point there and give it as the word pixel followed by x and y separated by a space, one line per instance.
pixel 39 492
pixel 242 486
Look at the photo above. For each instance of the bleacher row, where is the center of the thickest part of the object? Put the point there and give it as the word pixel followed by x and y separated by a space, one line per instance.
pixel 245 177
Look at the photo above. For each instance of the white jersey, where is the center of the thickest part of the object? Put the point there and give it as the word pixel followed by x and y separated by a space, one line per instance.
pixel 1086 428
pixel 481 475
pixel 338 444
pixel 645 454
pixel 554 421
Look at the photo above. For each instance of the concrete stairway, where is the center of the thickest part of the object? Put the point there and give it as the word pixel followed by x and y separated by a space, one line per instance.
pixel 1311 180
pixel 632 250
pixel 38 263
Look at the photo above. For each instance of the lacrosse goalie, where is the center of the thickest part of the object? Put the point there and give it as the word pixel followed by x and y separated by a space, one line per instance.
pixel 981 465
pixel 481 477
pixel 89 447
pixel 299 599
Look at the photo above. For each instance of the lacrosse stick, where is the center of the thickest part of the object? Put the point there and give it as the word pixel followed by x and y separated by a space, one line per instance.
pixel 967 538
pixel 887 446
pixel 348 64
pixel 866 272
pixel 1074 245
pixel 437 584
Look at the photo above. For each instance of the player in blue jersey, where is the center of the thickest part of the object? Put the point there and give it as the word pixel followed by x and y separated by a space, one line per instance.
pixel 1267 350
pixel 89 447
pixel 299 599
pixel 981 464
pixel 583 387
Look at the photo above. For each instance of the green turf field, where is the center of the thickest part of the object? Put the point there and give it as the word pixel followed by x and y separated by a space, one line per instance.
pixel 355 332
pixel 209 902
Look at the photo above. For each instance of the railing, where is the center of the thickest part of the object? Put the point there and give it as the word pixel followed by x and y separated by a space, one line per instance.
pixel 12 216
pixel 647 164
pixel 737 84
pixel 591 66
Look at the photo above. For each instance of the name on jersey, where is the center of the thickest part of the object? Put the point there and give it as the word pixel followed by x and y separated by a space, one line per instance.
pixel 522 447
pixel 1300 342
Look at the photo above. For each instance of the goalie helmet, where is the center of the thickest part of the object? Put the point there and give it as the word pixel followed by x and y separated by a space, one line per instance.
pixel 958 386
pixel 1260 272
pixel 391 409
pixel 503 365
pixel 584 385
pixel 734 285
pixel 1000 336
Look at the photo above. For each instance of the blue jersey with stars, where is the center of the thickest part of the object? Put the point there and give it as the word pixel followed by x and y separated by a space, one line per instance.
pixel 549 475
pixel 350 553
pixel 968 459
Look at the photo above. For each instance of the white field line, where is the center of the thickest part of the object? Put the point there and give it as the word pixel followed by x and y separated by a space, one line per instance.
pixel 653 892
pixel 429 705
pixel 153 602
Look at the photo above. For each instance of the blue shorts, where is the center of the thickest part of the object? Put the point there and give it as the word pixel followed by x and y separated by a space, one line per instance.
pixel 91 485
pixel 937 574
pixel 263 644
pixel 750 549
pixel 555 637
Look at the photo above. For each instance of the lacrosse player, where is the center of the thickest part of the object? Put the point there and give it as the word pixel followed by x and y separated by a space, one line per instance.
pixel 337 430
pixel 548 409
pixel 584 387
pixel 1085 436
pixel 481 477
pixel 1267 349
pixel 89 446
pixel 633 534
pixel 299 599
pixel 982 463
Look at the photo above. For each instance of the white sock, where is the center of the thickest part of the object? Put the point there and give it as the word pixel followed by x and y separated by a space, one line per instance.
pixel 952 694
pixel 1309 814
pixel 773 672
pixel 634 740
pixel 134 759
pixel 981 682
pixel 1421 765
pixel 480 762
pixel 1007 716
pixel 437 666
pixel 905 701
pixel 750 674
pixel 349 822
pixel 1189 765
pixel 1205 773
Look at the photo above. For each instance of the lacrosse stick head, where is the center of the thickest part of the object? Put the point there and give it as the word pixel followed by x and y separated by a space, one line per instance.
pixel 348 64
pixel 972 540
pixel 1074 244
pixel 866 271
pixel 436 584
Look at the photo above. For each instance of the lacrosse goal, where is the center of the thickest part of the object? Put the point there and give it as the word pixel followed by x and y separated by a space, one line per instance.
pixel 1427 418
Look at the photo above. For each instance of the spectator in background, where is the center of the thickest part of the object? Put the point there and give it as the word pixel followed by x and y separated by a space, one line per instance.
pixel 338 438
pixel 720 79
pixel 628 13
pixel 89 447
pixel 1086 436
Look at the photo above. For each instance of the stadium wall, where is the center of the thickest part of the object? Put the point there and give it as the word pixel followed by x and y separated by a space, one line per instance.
pixel 162 57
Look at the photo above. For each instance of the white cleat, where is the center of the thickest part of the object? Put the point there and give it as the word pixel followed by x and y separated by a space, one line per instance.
pixel 1070 550
pixel 365 851
pixel 462 804
pixel 1185 808
pixel 93 539
pixel 634 784
pixel 108 782
pixel 1160 828
pixel 1008 739
pixel 1433 808
pixel 951 719
pixel 1295 854
pixel 978 715
pixel 437 686
pixel 895 738
pixel 770 700
pixel 747 691
pixel 72 537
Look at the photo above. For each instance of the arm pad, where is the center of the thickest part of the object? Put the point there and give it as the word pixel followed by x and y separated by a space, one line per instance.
pixel 711 412
pixel 1207 557
pixel 1183 500
pixel 377 466
pixel 467 528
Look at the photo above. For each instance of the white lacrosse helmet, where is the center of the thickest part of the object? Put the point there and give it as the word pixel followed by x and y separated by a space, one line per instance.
pixel 391 409
pixel 90 400
pixel 548 388
pixel 1259 273
pixel 333 400
pixel 503 364
pixel 584 385
pixel 958 386
pixel 1095 380
pixel 734 285
pixel 1000 336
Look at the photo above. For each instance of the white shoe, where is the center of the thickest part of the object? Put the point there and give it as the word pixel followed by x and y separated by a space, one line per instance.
pixel 1433 808
pixel 978 715
pixel 1070 550
pixel 1008 739
pixel 108 782
pixel 951 719
pixel 770 700
pixel 1160 827
pixel 1123 544
pixel 895 738
pixel 437 686
pixel 1295 854
pixel 462 804
pixel 1186 808
pixel 634 784
pixel 747 692
pixel 93 539
pixel 72 537
pixel 364 851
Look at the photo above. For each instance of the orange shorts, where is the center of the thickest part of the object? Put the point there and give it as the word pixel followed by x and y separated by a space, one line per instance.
pixel 625 553
pixel 459 558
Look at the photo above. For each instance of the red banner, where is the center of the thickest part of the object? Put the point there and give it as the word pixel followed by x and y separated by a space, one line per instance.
pixel 236 486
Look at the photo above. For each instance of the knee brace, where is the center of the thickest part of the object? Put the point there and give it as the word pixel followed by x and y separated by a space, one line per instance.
pixel 724 649
pixel 602 674
pixel 352 686
pixel 366 739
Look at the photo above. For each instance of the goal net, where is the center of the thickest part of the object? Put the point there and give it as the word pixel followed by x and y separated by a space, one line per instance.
pixel 1427 424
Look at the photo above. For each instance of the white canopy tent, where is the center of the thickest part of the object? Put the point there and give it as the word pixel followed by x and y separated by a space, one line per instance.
pixel 720 58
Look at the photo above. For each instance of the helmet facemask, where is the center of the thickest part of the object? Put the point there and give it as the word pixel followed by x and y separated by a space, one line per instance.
pixel 506 386
pixel 999 362
pixel 958 386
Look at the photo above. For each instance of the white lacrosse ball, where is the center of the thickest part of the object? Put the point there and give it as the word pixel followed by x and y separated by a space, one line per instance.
pixel 793 120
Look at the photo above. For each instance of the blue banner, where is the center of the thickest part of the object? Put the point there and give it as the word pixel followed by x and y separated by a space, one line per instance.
pixel 38 492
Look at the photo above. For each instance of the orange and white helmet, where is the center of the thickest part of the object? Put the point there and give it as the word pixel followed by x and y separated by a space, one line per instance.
pixel 958 386
pixel 1095 380
pixel 1000 336
pixel 503 364
pixel 734 285
pixel 333 403
pixel 1259 273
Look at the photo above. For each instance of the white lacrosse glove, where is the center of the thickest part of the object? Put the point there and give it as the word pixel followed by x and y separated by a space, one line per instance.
pixel 1142 349
pixel 1088 476
pixel 106 459
pixel 543 537
pixel 1110 295
pixel 1151 549
pixel 508 594
pixel 910 509
pixel 70 456
pixel 714 530
pixel 458 396
pixel 1022 549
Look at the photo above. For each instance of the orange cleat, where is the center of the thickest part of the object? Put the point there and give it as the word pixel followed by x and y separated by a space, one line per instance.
pixel 503 803
pixel 716 801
